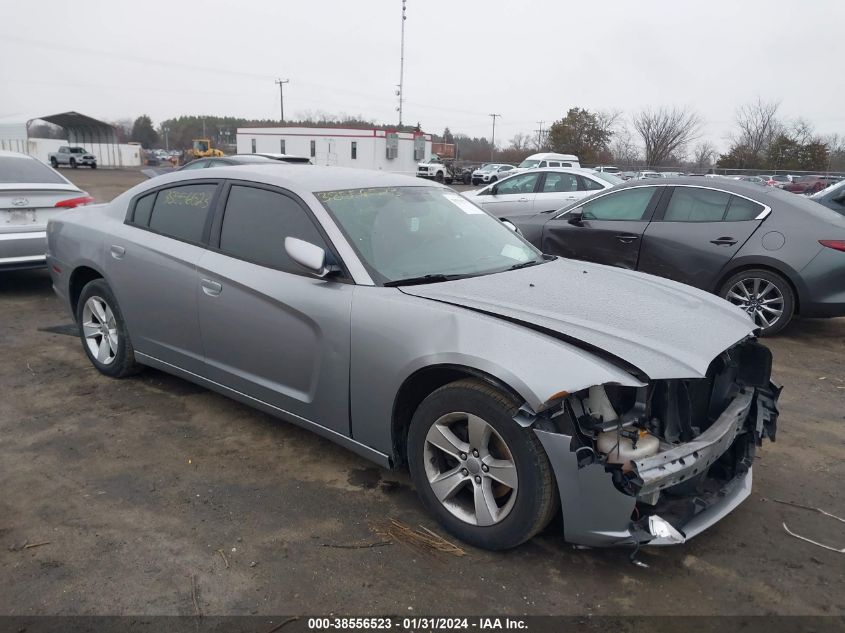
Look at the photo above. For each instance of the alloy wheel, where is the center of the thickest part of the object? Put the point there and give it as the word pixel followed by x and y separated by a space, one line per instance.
pixel 760 298
pixel 100 330
pixel 470 469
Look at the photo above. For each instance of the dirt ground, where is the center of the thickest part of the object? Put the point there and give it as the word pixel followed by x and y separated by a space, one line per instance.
pixel 128 493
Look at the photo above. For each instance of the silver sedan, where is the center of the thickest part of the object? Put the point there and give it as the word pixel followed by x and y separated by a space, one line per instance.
pixel 31 193
pixel 403 322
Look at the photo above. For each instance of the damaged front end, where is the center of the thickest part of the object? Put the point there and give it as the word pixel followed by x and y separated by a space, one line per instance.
pixel 660 463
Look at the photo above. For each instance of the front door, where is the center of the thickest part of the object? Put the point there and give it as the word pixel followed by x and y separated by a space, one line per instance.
pixel 609 230
pixel 693 237
pixel 269 330
pixel 513 196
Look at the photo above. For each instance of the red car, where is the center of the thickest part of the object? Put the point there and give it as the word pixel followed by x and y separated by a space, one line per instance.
pixel 808 184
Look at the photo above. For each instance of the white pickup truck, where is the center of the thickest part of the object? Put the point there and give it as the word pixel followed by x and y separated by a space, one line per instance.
pixel 73 156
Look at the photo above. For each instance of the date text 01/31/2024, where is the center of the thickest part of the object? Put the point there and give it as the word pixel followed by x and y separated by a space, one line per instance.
pixel 416 623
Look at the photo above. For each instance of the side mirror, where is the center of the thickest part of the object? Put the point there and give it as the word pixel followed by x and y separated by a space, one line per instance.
pixel 513 227
pixel 494 190
pixel 310 256
pixel 575 217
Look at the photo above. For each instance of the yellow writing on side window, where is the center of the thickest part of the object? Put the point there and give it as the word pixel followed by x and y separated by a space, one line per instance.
pixel 199 199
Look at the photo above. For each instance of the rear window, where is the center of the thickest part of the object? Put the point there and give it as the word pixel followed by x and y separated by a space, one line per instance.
pixel 14 169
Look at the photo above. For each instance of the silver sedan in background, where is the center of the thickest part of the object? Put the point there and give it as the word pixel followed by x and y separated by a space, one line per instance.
pixel 31 193
pixel 403 322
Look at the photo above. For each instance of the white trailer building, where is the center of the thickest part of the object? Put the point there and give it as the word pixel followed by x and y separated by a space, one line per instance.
pixel 345 147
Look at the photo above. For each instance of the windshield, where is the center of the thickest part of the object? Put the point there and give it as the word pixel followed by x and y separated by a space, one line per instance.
pixel 489 168
pixel 829 191
pixel 408 232
pixel 780 178
pixel 613 180
pixel 14 169
pixel 528 164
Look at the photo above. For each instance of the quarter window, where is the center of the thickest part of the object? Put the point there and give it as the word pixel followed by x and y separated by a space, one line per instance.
pixel 630 204
pixel 256 223
pixel 588 184
pixel 181 212
pixel 742 209
pixel 693 204
pixel 557 182
pixel 143 210
pixel 524 183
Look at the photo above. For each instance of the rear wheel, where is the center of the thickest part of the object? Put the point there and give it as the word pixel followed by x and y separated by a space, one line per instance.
pixel 485 478
pixel 102 329
pixel 54 162
pixel 765 296
pixel 73 163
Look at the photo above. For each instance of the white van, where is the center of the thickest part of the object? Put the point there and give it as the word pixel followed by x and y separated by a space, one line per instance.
pixel 549 159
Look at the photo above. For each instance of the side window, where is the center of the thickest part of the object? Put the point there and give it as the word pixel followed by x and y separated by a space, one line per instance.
pixel 693 204
pixel 181 212
pixel 256 223
pixel 554 164
pixel 524 183
pixel 742 209
pixel 197 164
pixel 630 204
pixel 313 149
pixel 354 150
pixel 63 150
pixel 505 168
pixel 542 164
pixel 588 184
pixel 143 210
pixel 282 146
pixel 252 144
pixel 557 182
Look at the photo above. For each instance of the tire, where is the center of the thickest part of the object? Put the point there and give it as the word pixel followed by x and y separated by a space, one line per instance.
pixel 493 179
pixel 93 165
pixel 762 294
pixel 54 163
pixel 73 163
pixel 475 183
pixel 117 358
pixel 521 508
pixel 439 176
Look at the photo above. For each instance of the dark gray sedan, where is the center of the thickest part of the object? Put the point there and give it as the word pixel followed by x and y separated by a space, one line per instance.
pixel 772 253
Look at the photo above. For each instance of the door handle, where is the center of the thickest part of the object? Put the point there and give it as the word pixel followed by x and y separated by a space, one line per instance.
pixel 117 251
pixel 626 239
pixel 211 288
pixel 522 199
pixel 724 241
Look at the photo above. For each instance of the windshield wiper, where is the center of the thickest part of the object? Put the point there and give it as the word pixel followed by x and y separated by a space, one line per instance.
pixel 424 279
pixel 532 262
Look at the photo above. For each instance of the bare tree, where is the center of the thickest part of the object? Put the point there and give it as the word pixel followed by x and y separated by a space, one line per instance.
pixel 666 132
pixel 703 155
pixel 757 126
pixel 521 142
pixel 624 148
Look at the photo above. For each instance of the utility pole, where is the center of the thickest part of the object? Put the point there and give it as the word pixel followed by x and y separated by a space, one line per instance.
pixel 401 87
pixel 540 135
pixel 166 140
pixel 493 140
pixel 282 83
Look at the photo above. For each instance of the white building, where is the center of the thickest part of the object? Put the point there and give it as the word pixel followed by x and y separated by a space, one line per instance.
pixel 95 136
pixel 345 147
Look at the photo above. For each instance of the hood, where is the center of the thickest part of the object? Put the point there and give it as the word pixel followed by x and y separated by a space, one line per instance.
pixel 663 328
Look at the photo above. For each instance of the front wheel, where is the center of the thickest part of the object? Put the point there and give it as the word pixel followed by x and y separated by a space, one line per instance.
pixel 102 329
pixel 765 296
pixel 439 176
pixel 93 165
pixel 73 163
pixel 493 179
pixel 486 479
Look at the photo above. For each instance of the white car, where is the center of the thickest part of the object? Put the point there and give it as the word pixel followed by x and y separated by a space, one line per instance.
pixel 648 174
pixel 549 159
pixel 491 172
pixel 539 190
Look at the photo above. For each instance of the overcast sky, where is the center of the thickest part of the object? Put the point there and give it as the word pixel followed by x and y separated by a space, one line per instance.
pixel 528 60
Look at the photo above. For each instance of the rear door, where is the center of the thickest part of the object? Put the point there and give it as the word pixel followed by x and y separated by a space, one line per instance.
pixel 270 330
pixel 152 267
pixel 696 232
pixel 513 196
pixel 610 230
pixel 557 190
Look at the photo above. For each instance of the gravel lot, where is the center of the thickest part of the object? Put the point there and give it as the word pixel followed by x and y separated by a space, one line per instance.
pixel 136 486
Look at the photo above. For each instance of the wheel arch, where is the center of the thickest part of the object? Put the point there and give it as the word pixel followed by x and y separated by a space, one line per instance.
pixel 80 276
pixel 418 386
pixel 770 265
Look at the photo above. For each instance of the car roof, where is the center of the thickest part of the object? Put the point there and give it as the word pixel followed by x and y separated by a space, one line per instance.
pixel 292 177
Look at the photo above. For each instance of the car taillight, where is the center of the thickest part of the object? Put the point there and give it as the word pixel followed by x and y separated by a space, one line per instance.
pixel 838 245
pixel 70 203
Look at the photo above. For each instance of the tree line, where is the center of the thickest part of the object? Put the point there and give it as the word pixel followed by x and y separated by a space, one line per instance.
pixel 662 136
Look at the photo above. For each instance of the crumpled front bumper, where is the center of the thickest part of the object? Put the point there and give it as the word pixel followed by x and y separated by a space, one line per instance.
pixel 596 513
